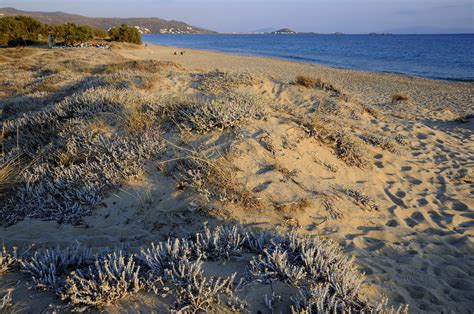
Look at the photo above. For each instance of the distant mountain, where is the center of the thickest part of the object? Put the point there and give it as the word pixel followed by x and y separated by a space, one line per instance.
pixel 153 25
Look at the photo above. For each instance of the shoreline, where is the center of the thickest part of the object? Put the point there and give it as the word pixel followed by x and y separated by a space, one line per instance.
pixel 370 88
pixel 262 56
pixel 319 63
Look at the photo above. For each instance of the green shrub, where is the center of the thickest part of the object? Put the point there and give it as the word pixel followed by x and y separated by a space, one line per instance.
pixel 126 34
pixel 26 31
pixel 18 28
pixel 73 33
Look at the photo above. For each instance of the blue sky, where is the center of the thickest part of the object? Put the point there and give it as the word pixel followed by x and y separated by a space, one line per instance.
pixel 324 16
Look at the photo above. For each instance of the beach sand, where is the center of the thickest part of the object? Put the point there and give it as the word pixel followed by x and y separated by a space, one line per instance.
pixel 407 214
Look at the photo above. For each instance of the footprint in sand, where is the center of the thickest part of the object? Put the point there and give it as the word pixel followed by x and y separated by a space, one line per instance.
pixel 369 244
pixel 459 206
pixel 400 194
pixel 261 187
pixel 392 223
pixel 413 180
pixel 421 136
pixel 422 201
pixel 415 219
pixel 398 201
pixel 265 169
pixel 379 164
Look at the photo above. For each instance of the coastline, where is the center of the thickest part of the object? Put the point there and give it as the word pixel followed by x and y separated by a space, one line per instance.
pixel 437 68
pixel 371 88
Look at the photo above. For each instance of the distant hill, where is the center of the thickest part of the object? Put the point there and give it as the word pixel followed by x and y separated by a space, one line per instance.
pixel 147 25
pixel 284 31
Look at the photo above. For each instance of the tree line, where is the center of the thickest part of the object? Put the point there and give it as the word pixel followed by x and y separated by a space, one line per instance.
pixel 25 30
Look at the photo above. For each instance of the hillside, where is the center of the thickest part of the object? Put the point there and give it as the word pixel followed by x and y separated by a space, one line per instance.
pixel 152 25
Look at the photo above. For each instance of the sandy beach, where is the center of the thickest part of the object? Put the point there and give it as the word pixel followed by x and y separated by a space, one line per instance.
pixel 330 155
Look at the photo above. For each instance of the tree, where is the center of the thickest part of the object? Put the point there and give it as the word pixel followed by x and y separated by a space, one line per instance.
pixel 24 30
pixel 20 28
pixel 125 33
pixel 100 33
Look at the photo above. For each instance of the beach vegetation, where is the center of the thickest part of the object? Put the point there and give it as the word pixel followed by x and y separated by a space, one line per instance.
pixel 6 306
pixel 125 33
pixel 26 31
pixel 400 97
pixel 9 174
pixel 306 81
pixel 146 66
pixel 206 114
pixel 350 149
pixel 17 30
pixel 327 278
pixel 8 259
pixel 215 82
pixel 110 278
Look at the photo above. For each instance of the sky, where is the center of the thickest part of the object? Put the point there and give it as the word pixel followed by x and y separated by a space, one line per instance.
pixel 322 16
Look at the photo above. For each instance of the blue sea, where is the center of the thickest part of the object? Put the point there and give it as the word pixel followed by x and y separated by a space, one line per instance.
pixel 446 57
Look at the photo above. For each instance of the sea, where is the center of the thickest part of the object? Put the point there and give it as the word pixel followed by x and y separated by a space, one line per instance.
pixel 443 57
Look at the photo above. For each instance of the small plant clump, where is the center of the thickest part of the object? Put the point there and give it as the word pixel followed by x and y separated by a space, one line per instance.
pixel 361 199
pixel 112 278
pixel 6 305
pixel 311 82
pixel 306 81
pixel 7 260
pixel 47 266
pixel 144 66
pixel 216 82
pixel 400 97
pixel 350 149
pixel 389 143
pixel 9 175
pixel 202 114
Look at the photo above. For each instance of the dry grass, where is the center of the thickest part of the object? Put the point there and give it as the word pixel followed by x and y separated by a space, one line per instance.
pixel 148 82
pixel 388 143
pixel 6 306
pixel 146 66
pixel 17 53
pixel 292 207
pixel 287 174
pixel 9 175
pixel 350 149
pixel 7 260
pixel 211 175
pixel 206 114
pixel 216 81
pixel 400 97
pixel 138 122
pixel 306 81
pixel 311 82
pixel 45 86
pixel 361 199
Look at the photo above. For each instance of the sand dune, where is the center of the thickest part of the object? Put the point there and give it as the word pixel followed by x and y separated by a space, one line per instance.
pixel 391 182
